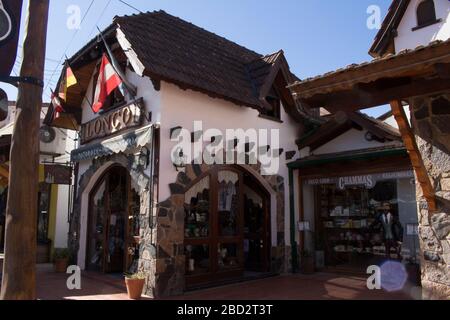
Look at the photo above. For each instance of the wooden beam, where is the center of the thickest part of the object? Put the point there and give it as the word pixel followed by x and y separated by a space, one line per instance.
pixel 352 100
pixel 414 154
pixel 443 70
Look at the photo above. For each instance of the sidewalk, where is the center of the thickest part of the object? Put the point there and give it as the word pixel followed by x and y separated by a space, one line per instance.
pixel 97 286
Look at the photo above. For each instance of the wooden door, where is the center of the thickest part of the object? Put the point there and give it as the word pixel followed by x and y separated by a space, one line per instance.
pixel 256 227
pixel 214 227
pixel 108 234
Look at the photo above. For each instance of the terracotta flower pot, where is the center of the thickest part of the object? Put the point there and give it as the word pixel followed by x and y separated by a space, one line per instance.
pixel 61 265
pixel 134 287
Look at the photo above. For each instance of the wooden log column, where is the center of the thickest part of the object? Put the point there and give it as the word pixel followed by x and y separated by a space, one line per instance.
pixel 19 270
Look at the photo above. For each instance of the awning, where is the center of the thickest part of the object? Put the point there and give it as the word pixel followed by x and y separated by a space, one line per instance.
pixel 7 130
pixel 129 140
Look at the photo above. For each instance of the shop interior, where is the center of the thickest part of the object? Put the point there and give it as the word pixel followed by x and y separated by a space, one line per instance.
pixel 359 226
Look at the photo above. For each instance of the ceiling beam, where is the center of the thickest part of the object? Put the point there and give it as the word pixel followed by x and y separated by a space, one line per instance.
pixel 356 99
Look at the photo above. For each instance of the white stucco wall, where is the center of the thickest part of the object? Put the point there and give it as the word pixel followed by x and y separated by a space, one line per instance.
pixel 62 214
pixel 409 39
pixel 407 208
pixel 183 107
pixel 350 140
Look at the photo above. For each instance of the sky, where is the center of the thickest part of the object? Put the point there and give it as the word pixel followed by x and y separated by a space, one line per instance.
pixel 317 36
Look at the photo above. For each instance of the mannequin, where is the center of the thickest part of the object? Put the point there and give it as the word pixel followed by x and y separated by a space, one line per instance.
pixel 391 228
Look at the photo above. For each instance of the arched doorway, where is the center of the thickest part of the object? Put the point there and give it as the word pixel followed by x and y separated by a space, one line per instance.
pixel 112 222
pixel 227 226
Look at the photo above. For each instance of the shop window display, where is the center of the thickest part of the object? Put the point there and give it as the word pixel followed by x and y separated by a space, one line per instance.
pixel 217 229
pixel 227 202
pixel 197 210
pixel 197 259
pixel 359 223
pixel 228 257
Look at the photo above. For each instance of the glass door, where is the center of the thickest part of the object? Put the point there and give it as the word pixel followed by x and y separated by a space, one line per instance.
pixel 256 233
pixel 109 234
pixel 214 227
pixel 97 218
pixel 117 212
pixel 229 223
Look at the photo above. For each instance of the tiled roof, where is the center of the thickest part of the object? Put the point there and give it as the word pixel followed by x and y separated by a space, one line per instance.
pixel 177 51
pixel 348 74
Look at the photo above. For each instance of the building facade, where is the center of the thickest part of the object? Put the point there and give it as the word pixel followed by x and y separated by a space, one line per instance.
pixel 411 69
pixel 350 168
pixel 55 180
pixel 184 179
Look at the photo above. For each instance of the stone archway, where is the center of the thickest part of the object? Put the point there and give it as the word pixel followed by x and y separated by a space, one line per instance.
pixel 170 259
pixel 78 221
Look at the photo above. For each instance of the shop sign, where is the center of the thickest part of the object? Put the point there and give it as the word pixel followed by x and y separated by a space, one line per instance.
pixel 114 121
pixel 58 174
pixel 130 140
pixel 368 180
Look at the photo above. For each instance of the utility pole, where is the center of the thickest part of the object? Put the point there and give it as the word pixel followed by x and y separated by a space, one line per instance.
pixel 19 270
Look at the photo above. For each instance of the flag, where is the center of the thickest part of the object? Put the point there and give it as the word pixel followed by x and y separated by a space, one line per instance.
pixel 127 84
pixel 107 81
pixel 57 105
pixel 66 82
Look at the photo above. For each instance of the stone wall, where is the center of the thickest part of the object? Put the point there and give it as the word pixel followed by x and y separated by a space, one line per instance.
pixel 170 258
pixel 140 182
pixel 431 123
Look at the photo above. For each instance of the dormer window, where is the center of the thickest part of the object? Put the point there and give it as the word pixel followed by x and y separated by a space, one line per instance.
pixel 273 104
pixel 426 14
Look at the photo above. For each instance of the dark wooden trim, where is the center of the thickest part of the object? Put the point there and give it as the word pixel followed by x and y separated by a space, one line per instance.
pixel 354 100
pixel 264 116
pixel 427 24
pixel 339 168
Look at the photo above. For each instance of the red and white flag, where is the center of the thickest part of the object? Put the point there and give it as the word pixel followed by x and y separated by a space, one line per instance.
pixel 107 81
pixel 57 106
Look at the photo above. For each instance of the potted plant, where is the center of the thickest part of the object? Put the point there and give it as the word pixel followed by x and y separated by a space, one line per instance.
pixel 307 262
pixel 61 259
pixel 135 283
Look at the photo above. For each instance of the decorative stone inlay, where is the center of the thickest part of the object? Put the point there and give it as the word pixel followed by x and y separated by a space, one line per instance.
pixel 432 131
pixel 139 182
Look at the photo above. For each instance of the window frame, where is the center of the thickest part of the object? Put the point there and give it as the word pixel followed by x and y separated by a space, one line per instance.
pixel 428 23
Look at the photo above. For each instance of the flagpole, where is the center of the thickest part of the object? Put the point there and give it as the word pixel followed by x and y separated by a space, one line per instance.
pixel 85 96
pixel 130 87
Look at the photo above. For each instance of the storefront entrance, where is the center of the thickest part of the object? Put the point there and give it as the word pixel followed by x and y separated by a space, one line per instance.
pixel 226 227
pixel 363 220
pixel 112 223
